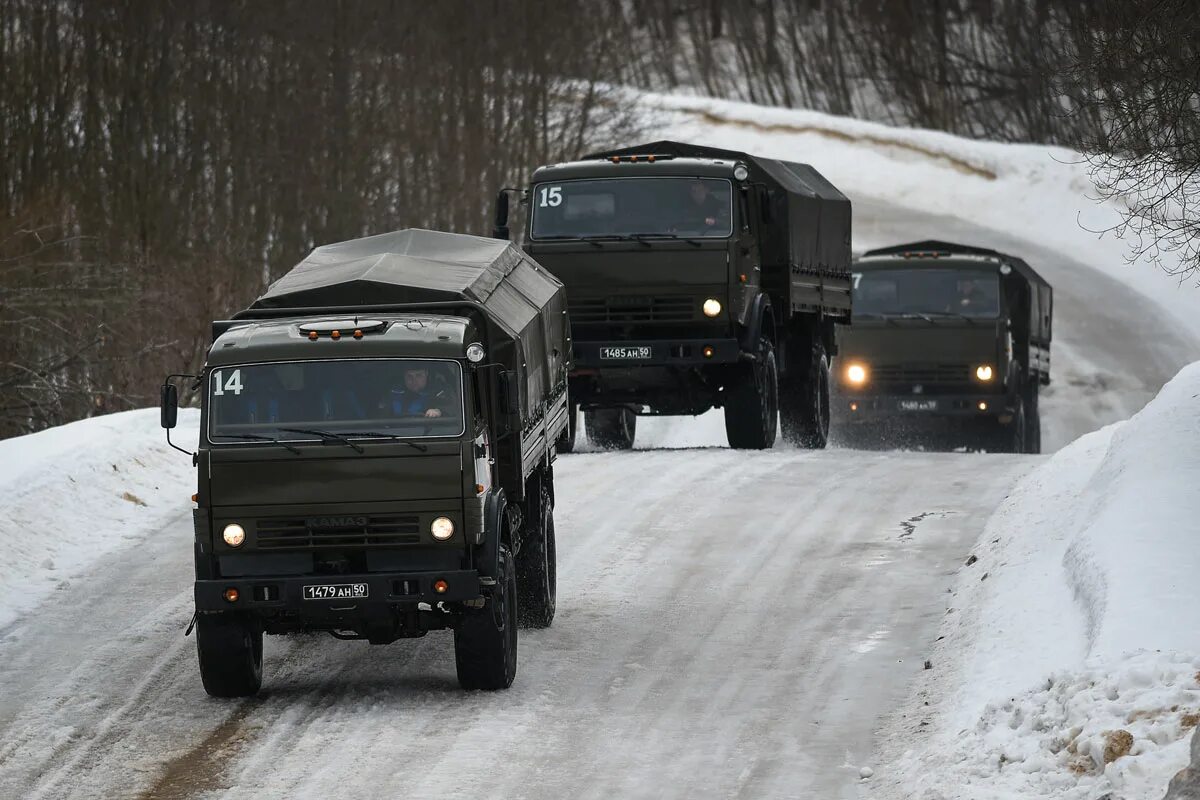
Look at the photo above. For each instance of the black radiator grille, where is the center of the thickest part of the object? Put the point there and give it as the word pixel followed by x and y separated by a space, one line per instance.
pixel 929 374
pixel 626 309
pixel 304 534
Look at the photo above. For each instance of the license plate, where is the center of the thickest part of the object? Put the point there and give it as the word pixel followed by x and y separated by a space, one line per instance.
pixel 624 353
pixel 336 591
pixel 918 405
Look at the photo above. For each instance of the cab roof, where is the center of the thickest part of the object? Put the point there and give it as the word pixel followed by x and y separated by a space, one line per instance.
pixel 934 253
pixel 643 167
pixel 398 336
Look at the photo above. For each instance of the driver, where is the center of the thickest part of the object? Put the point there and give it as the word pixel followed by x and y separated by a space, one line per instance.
pixel 704 207
pixel 416 398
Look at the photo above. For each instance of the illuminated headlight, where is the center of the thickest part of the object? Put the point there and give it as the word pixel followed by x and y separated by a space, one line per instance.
pixel 475 352
pixel 234 534
pixel 442 528
pixel 984 372
pixel 712 307
pixel 856 374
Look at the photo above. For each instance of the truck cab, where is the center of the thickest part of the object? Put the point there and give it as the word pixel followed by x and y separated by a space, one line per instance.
pixel 949 341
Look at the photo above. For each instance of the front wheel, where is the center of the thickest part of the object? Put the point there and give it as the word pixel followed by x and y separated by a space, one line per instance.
pixel 752 405
pixel 485 641
pixel 611 428
pixel 230 648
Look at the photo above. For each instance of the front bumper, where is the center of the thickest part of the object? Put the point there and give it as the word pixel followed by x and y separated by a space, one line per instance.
pixel 385 591
pixel 851 408
pixel 663 353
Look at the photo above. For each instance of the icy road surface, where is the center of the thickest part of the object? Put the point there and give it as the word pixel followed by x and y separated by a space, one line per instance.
pixel 729 624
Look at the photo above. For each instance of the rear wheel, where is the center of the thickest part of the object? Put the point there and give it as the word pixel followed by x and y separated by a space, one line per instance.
pixel 805 409
pixel 566 442
pixel 752 408
pixel 485 642
pixel 230 648
pixel 536 570
pixel 611 428
pixel 1033 422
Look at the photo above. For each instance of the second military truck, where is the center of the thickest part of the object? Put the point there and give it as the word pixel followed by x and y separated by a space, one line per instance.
pixel 949 342
pixel 696 278
pixel 376 455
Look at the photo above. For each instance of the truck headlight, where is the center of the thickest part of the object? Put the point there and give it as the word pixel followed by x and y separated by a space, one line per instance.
pixel 442 528
pixel 234 534
pixel 984 372
pixel 856 374
pixel 712 307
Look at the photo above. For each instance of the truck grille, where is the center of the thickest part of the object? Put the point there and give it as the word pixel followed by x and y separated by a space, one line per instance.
pixel 625 309
pixel 922 373
pixel 298 534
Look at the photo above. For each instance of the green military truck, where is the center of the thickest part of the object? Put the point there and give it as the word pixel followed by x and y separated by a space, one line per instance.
pixel 376 455
pixel 696 278
pixel 949 341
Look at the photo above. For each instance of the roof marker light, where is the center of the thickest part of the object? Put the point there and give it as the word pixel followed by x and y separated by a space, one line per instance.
pixel 475 352
pixel 740 172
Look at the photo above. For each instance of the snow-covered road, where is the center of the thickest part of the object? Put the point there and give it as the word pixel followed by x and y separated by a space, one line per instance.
pixel 729 624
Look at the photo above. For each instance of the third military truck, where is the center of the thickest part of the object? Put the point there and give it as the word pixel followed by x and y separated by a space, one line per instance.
pixel 696 278
pixel 950 342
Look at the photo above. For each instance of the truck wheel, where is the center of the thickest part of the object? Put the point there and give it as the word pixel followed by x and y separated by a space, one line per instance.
pixel 1012 438
pixel 536 571
pixel 1033 422
pixel 230 647
pixel 611 428
pixel 805 411
pixel 566 442
pixel 485 642
pixel 752 410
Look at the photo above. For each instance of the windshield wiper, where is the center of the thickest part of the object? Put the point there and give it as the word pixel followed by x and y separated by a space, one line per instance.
pixel 258 438
pixel 336 437
pixel 596 238
pixel 873 315
pixel 393 437
pixel 963 317
pixel 641 237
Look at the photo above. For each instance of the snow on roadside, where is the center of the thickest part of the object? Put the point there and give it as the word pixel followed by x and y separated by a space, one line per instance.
pixel 1039 192
pixel 75 493
pixel 1070 661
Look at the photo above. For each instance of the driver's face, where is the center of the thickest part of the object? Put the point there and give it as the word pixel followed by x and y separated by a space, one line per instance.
pixel 415 380
pixel 699 193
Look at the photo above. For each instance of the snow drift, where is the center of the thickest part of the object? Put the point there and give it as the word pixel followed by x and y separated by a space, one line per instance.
pixel 1075 668
pixel 75 493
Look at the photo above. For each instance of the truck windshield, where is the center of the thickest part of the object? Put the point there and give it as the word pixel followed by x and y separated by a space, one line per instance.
pixel 406 398
pixel 700 208
pixel 957 292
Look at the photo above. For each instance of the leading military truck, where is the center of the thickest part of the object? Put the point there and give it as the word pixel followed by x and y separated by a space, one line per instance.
pixel 950 342
pixel 376 455
pixel 696 278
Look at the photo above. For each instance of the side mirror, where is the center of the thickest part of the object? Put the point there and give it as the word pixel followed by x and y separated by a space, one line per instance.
pixel 500 229
pixel 511 389
pixel 169 405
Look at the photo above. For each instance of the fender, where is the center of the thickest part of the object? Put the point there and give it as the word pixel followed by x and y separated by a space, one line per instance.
pixel 760 310
pixel 487 555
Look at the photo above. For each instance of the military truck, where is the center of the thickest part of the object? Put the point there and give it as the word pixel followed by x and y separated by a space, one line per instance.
pixel 949 342
pixel 376 455
pixel 696 278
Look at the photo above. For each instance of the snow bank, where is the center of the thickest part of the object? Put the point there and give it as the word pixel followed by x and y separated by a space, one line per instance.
pixel 75 493
pixel 1039 192
pixel 1075 668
